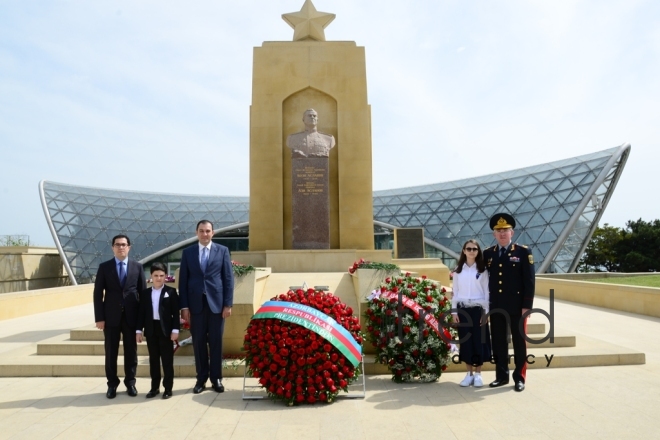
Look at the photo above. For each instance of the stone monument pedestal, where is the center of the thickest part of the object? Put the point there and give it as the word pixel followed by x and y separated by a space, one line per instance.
pixel 278 270
pixel 289 78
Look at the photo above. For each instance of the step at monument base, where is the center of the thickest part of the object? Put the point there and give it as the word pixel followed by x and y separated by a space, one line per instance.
pixel 25 361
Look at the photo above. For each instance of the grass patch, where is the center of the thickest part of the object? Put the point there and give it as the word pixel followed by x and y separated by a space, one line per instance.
pixel 643 281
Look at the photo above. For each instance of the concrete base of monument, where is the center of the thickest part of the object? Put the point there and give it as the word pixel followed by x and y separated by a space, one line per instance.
pixel 310 260
pixel 80 353
pixel 279 271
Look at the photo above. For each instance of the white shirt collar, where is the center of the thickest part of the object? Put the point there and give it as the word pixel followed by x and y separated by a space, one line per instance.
pixel 201 246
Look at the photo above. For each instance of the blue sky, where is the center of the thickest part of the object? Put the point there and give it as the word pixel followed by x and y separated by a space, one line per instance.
pixel 138 95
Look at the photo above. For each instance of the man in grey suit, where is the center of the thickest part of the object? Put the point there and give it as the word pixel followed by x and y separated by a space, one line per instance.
pixel 116 301
pixel 206 293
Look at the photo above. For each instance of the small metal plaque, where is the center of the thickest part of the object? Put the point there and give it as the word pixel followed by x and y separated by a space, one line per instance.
pixel 409 243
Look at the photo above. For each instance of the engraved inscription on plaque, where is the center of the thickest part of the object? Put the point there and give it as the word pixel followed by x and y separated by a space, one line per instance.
pixel 311 203
pixel 409 243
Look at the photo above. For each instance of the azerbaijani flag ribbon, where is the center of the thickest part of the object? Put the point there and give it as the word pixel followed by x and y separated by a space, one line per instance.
pixel 316 321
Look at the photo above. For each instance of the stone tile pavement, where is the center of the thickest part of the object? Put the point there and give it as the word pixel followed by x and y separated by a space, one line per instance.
pixel 561 403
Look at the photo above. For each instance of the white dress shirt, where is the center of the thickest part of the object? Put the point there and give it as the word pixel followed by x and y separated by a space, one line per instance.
pixel 155 301
pixel 471 287
pixel 155 304
pixel 201 250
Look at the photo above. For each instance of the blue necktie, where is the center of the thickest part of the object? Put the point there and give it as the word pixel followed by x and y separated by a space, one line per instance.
pixel 205 258
pixel 122 274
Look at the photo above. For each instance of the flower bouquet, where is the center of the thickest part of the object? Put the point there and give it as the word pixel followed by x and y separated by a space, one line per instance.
pixel 408 319
pixel 240 269
pixel 304 347
pixel 183 326
pixel 364 264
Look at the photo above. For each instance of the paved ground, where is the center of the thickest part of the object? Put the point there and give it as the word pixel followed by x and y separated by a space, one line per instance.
pixel 598 402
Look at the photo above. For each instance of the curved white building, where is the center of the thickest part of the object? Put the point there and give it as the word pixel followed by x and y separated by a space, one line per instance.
pixel 557 206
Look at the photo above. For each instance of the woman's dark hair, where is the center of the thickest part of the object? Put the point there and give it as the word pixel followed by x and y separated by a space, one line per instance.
pixel 481 264
pixel 158 266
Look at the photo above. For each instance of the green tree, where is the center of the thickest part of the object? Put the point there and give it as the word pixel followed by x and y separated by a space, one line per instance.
pixel 639 248
pixel 14 240
pixel 601 252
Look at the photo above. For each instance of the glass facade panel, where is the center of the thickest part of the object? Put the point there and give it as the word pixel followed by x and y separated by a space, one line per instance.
pixel 545 202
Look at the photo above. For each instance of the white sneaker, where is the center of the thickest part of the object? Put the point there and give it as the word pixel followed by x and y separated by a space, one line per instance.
pixel 478 381
pixel 467 381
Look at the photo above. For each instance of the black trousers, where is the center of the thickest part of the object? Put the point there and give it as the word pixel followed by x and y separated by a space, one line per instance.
pixel 499 328
pixel 161 349
pixel 112 337
pixel 206 329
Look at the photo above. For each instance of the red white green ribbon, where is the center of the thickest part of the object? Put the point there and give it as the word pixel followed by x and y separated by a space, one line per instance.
pixel 316 321
pixel 416 308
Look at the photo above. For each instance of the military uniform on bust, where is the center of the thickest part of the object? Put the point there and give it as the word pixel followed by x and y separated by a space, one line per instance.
pixel 311 142
pixel 314 144
pixel 511 285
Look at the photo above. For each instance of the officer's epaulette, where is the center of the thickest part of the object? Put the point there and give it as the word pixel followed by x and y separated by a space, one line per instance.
pixel 493 248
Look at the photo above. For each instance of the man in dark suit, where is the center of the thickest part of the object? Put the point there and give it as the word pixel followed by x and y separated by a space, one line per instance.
pixel 116 294
pixel 159 317
pixel 206 288
pixel 511 284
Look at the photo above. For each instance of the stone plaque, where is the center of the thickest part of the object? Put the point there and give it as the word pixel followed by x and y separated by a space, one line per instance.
pixel 409 243
pixel 311 202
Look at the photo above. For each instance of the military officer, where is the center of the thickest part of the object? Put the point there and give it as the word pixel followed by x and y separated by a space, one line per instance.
pixel 511 284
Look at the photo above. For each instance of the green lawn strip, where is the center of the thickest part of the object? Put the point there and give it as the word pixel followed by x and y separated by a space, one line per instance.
pixel 643 281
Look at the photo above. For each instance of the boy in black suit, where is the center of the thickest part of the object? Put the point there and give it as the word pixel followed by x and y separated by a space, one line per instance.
pixel 159 317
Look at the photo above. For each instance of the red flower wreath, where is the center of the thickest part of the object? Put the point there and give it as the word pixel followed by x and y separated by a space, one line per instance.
pixel 295 364
pixel 423 354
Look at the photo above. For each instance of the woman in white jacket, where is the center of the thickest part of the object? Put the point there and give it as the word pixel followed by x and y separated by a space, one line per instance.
pixel 471 299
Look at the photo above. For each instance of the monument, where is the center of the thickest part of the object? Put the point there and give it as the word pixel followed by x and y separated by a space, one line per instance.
pixel 310 152
pixel 290 77
pixel 311 194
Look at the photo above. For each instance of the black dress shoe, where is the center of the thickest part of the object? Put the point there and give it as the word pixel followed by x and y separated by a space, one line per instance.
pixel 519 386
pixel 199 387
pixel 112 393
pixel 167 394
pixel 131 390
pixel 152 393
pixel 218 387
pixel 498 383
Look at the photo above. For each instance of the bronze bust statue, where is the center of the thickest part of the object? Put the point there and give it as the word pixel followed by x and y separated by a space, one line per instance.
pixel 310 143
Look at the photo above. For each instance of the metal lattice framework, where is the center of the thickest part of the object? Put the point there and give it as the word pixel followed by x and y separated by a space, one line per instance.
pixel 83 220
pixel 557 207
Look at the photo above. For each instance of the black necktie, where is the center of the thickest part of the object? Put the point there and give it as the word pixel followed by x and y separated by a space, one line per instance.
pixel 502 252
